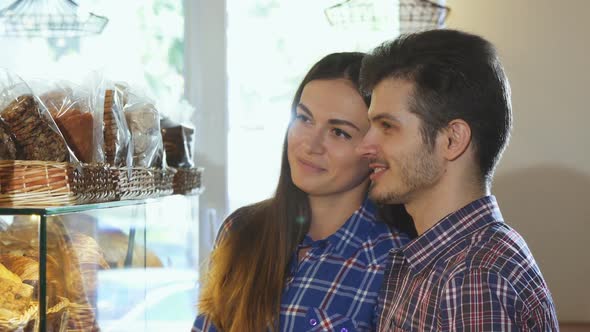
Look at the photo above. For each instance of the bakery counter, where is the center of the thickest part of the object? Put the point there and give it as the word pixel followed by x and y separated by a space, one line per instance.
pixel 104 267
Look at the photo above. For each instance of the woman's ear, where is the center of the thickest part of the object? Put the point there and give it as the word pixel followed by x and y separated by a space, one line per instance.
pixel 457 137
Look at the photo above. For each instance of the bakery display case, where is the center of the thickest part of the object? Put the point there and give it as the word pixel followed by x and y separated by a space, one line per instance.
pixel 98 209
pixel 114 266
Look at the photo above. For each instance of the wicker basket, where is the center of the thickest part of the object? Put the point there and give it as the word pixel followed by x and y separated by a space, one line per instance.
pixel 134 182
pixel 96 184
pixel 25 183
pixel 164 181
pixel 187 180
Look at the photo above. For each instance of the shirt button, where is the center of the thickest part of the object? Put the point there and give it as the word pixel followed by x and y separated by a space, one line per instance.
pixel 344 329
pixel 313 322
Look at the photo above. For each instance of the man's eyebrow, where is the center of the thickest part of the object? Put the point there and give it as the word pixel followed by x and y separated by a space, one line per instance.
pixel 384 116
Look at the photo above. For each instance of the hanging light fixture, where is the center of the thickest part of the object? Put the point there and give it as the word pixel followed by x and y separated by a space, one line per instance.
pixel 49 18
pixel 414 15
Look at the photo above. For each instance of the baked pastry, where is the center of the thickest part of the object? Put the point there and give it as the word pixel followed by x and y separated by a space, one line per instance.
pixel 26 268
pixel 115 245
pixel 86 259
pixel 15 297
pixel 34 136
pixel 22 239
pixel 87 251
pixel 6 274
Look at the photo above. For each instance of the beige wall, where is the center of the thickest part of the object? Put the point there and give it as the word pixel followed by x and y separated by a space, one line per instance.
pixel 543 182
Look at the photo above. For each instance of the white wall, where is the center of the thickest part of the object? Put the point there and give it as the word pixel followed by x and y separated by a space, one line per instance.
pixel 543 182
pixel 206 89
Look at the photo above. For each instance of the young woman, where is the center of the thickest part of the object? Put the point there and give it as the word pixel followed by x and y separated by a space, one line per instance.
pixel 312 257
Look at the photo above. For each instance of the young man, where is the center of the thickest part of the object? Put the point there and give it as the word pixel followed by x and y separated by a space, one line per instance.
pixel 440 119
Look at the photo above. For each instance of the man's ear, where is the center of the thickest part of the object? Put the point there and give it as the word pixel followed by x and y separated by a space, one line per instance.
pixel 457 137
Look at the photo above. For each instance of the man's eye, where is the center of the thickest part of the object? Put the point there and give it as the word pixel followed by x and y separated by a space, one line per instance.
pixel 385 125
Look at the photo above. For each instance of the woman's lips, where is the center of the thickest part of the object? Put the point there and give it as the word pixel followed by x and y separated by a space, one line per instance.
pixel 309 166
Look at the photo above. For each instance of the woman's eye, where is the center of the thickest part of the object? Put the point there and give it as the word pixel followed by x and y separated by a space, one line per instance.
pixel 302 118
pixel 341 133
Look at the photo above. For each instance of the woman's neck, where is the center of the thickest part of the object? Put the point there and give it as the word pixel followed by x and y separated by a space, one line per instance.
pixel 329 213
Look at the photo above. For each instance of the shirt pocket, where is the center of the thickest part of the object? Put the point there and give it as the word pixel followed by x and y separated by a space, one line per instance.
pixel 322 320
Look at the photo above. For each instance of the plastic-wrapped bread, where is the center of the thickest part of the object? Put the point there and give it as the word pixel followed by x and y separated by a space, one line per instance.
pixel 146 139
pixel 73 109
pixel 37 139
pixel 77 130
pixel 116 132
pixel 178 143
pixel 7 146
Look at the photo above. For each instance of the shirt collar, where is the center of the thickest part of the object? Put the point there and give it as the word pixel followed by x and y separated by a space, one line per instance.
pixel 350 236
pixel 423 250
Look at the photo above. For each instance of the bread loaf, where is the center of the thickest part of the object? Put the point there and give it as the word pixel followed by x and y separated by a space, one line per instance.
pixel 77 129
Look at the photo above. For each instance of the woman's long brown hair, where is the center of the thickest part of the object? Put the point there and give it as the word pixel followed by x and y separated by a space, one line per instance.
pixel 242 290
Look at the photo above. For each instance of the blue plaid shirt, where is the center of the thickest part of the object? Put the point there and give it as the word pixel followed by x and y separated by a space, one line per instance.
pixel 469 272
pixel 335 286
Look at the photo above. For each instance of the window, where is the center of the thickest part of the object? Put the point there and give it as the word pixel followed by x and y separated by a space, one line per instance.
pixel 133 48
pixel 271 45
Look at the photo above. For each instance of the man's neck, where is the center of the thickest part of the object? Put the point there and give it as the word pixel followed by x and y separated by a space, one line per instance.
pixel 430 206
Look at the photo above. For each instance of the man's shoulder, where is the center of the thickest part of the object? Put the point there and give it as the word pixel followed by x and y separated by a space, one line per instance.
pixel 497 251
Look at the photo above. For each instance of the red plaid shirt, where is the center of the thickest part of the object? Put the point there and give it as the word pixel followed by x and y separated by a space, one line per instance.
pixel 469 272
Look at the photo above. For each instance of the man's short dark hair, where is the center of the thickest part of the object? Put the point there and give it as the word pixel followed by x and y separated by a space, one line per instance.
pixel 456 75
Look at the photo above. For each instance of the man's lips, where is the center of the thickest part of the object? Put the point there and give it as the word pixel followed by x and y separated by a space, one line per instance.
pixel 378 170
pixel 310 166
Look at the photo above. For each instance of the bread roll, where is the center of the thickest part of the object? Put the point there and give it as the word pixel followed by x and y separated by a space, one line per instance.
pixel 15 297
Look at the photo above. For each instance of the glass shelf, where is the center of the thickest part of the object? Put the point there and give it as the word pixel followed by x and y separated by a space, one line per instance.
pixel 57 210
